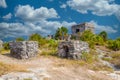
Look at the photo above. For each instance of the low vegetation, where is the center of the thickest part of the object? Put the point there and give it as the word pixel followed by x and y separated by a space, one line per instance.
pixel 6 68
pixel 115 59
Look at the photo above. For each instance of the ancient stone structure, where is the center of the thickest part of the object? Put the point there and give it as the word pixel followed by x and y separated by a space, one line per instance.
pixel 1 44
pixel 72 49
pixel 23 49
pixel 82 27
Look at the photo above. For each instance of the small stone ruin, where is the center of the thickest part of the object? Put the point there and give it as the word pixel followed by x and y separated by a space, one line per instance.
pixel 1 44
pixel 23 49
pixel 72 49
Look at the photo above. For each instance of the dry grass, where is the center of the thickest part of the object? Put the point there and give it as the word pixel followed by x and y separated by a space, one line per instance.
pixel 115 59
pixel 6 68
pixel 3 51
pixel 100 67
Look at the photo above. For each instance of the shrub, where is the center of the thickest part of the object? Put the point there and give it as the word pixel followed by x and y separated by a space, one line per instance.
pixel 114 44
pixel 19 39
pixel 104 35
pixel 6 46
pixel 61 33
pixel 92 39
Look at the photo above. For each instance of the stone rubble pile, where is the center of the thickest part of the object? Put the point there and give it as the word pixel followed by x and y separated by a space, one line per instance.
pixel 72 49
pixel 23 49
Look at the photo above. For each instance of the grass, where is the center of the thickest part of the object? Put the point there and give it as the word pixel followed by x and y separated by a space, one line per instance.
pixel 3 51
pixel 27 79
pixel 100 67
pixel 115 59
pixel 106 59
pixel 6 68
pixel 67 63
pixel 48 52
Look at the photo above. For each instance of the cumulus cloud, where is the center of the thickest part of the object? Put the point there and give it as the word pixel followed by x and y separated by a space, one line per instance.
pixel 8 16
pixel 28 13
pixel 21 29
pixel 118 14
pixel 97 7
pixel 63 6
pixel 3 4
pixel 99 28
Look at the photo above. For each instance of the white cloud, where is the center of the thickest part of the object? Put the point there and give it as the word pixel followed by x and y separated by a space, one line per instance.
pixel 28 13
pixel 3 4
pixel 63 6
pixel 118 14
pixel 97 7
pixel 43 27
pixel 8 16
pixel 99 28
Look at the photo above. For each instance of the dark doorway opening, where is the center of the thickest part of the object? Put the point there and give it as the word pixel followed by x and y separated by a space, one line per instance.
pixel 77 30
pixel 66 49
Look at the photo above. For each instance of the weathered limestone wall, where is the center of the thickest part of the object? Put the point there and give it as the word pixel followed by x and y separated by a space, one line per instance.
pixel 1 44
pixel 24 49
pixel 82 27
pixel 72 49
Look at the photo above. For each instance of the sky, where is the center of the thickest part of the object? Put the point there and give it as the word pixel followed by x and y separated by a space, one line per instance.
pixel 21 18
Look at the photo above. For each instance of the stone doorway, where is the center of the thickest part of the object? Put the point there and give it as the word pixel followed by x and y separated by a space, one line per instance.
pixel 66 50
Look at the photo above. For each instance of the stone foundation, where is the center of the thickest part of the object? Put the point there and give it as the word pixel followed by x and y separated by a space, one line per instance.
pixel 72 49
pixel 23 49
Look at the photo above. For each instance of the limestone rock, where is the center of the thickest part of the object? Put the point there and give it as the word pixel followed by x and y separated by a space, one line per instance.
pixel 23 49
pixel 72 49
pixel 1 44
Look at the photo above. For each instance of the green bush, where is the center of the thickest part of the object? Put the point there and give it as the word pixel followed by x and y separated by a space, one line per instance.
pixel 6 46
pixel 19 39
pixel 61 33
pixel 114 44
pixel 92 39
pixel 37 37
pixel 104 35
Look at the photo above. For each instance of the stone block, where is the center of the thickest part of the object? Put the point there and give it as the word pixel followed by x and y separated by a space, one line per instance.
pixel 23 49
pixel 72 49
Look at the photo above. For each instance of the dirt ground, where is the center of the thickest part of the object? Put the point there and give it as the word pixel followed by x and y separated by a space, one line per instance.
pixel 54 68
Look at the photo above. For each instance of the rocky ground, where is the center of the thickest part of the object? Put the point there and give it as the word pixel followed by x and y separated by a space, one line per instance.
pixel 53 68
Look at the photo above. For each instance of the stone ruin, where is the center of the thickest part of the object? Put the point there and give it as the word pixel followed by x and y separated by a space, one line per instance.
pixel 1 44
pixel 23 49
pixel 72 49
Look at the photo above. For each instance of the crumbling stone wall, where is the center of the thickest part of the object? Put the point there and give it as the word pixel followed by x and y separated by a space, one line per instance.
pixel 72 49
pixel 1 44
pixel 82 27
pixel 24 49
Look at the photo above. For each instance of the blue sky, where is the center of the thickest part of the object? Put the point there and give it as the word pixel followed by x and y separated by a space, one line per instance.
pixel 21 18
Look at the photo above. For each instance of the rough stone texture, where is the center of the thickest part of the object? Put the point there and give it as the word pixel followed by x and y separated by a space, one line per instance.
pixel 1 44
pixel 72 49
pixel 23 49
pixel 82 27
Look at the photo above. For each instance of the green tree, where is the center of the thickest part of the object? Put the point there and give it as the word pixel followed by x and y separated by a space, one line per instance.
pixel 35 37
pixel 61 33
pixel 104 35
pixel 19 39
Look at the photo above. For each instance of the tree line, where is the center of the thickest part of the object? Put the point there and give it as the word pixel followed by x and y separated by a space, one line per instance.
pixel 88 36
